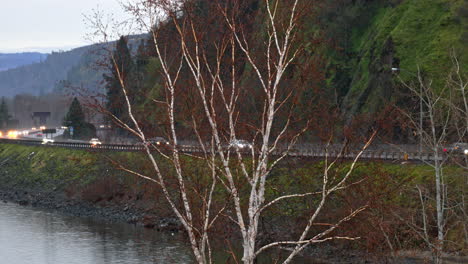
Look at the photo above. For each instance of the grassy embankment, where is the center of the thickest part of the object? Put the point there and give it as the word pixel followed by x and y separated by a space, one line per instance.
pixel 388 189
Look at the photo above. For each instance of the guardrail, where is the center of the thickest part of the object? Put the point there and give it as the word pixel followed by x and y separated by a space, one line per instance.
pixel 73 145
pixel 315 151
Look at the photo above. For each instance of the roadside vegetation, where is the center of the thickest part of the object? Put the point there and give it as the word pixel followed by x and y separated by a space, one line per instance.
pixel 277 74
pixel 385 228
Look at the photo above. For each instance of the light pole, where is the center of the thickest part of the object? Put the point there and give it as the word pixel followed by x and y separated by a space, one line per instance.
pixel 420 109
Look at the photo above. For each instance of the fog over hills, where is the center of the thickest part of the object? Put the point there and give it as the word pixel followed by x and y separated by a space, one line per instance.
pixel 14 60
pixel 40 77
pixel 39 73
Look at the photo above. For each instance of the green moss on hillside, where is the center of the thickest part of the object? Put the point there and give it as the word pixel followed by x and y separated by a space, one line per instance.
pixel 412 34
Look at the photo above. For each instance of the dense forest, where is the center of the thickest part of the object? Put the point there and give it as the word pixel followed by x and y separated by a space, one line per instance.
pixel 14 60
pixel 348 50
pixel 39 78
pixel 349 46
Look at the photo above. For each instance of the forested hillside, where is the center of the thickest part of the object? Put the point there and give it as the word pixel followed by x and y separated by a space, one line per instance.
pixel 349 48
pixel 402 34
pixel 39 78
pixel 57 72
pixel 14 60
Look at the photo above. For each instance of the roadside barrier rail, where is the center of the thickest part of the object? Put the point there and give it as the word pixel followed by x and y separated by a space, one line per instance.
pixel 305 150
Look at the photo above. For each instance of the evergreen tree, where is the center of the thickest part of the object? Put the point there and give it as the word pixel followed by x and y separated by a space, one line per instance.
pixel 120 66
pixel 142 57
pixel 4 115
pixel 75 118
pixel 141 62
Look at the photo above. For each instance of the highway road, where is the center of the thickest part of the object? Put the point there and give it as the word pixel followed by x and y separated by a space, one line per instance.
pixel 380 152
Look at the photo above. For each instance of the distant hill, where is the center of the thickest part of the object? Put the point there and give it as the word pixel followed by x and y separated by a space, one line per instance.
pixel 58 70
pixel 41 77
pixel 14 60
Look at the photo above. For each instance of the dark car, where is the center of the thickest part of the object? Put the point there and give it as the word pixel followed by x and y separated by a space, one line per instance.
pixel 157 141
pixel 459 148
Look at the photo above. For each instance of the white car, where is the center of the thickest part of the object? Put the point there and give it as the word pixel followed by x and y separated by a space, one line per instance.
pixel 47 140
pixel 240 144
pixel 95 141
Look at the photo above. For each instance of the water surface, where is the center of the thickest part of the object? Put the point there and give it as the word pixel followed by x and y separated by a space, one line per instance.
pixel 33 236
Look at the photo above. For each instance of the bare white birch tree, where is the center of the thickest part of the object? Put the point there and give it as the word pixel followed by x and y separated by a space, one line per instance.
pixel 432 124
pixel 218 96
pixel 458 85
pixel 440 119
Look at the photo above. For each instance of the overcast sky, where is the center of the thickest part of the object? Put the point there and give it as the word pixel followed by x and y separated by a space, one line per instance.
pixel 45 25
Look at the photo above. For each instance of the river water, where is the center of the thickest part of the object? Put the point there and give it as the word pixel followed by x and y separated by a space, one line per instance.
pixel 33 236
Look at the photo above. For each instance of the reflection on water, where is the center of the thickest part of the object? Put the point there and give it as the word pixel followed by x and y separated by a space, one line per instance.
pixel 33 236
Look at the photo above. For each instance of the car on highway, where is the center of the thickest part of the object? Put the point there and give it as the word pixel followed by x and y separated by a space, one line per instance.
pixel 12 134
pixel 159 141
pixel 47 140
pixel 240 144
pixel 458 148
pixel 156 141
pixel 95 142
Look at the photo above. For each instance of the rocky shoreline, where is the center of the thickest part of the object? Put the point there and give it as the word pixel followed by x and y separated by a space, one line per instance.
pixel 56 201
pixel 125 213
pixel 82 184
